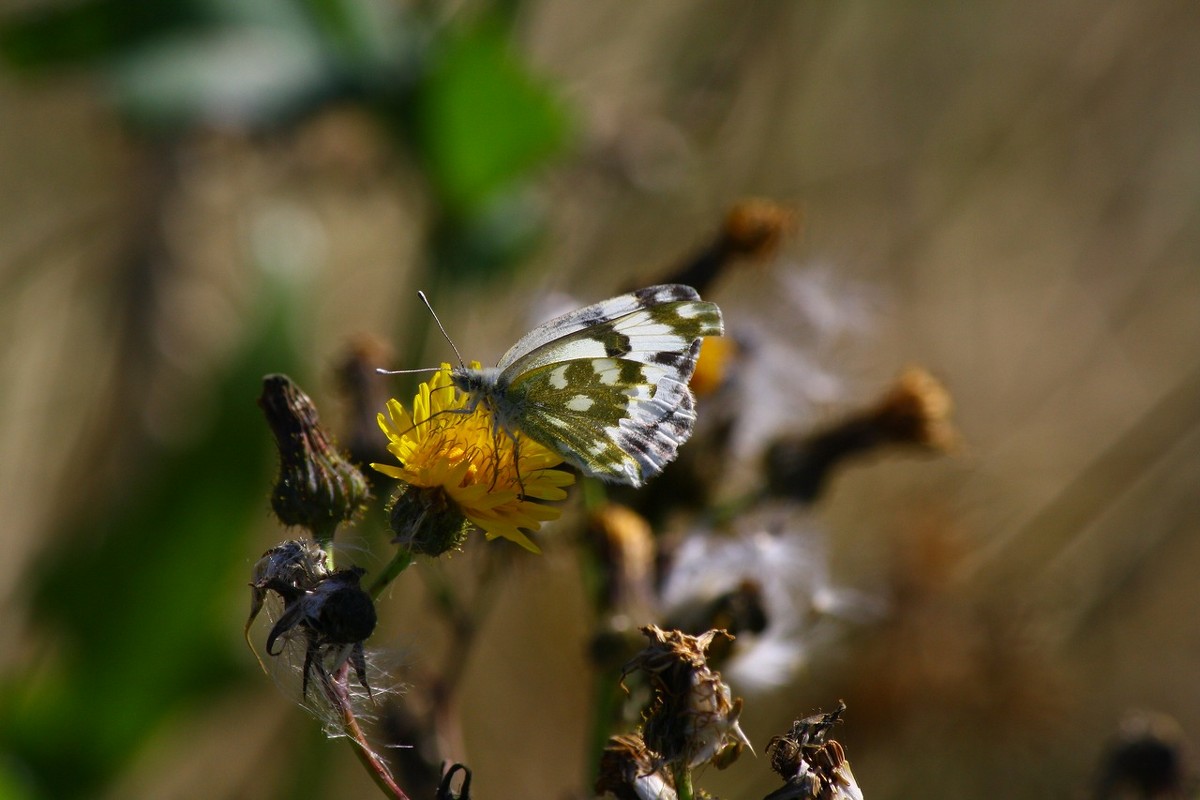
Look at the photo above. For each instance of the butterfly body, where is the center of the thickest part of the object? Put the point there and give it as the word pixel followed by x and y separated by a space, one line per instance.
pixel 606 386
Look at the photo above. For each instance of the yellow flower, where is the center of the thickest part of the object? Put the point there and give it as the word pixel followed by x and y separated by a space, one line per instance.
pixel 441 447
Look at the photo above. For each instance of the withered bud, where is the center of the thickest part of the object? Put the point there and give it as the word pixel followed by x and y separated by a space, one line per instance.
pixel 626 551
pixel 425 520
pixel 1148 758
pixel 317 488
pixel 742 609
pixel 914 413
pixel 752 229
pixel 365 393
pixel 630 771
pixel 813 766
pixel 691 718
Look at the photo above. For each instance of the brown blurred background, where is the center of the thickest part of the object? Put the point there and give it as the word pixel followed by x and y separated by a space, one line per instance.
pixel 1011 189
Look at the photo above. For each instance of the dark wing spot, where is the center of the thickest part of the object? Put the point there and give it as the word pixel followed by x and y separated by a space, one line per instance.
pixel 676 360
pixel 666 293
pixel 616 345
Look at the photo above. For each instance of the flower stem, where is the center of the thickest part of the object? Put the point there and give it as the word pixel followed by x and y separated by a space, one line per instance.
pixel 323 535
pixel 335 690
pixel 398 564
pixel 683 781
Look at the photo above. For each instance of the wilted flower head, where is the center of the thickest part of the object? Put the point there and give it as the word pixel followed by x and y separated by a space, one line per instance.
pixel 814 767
pixel 630 771
pixel 329 608
pixel 692 719
pixel 913 413
pixel 753 229
pixel 1149 758
pixel 458 462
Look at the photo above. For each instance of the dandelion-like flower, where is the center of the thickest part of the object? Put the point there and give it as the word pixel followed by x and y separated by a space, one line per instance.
pixel 500 483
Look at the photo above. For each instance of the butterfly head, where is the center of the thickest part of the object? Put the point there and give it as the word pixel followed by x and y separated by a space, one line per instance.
pixel 477 383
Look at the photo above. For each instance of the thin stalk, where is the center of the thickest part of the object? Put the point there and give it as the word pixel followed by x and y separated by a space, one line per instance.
pixel 683 781
pixel 398 564
pixel 339 697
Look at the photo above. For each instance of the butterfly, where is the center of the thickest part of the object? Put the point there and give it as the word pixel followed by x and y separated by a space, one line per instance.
pixel 605 386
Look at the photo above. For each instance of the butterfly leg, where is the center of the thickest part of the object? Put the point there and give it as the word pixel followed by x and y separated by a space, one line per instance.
pixel 517 466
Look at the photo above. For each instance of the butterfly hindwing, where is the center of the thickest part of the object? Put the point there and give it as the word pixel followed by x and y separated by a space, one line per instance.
pixel 613 418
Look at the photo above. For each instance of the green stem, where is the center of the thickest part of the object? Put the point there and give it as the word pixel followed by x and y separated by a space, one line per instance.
pixel 593 492
pixel 683 781
pixel 324 539
pixel 398 564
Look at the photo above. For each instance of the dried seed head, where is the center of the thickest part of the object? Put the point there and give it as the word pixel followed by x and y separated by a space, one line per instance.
pixel 754 228
pixel 914 413
pixel 317 488
pixel 814 767
pixel 630 771
pixel 334 615
pixel 691 719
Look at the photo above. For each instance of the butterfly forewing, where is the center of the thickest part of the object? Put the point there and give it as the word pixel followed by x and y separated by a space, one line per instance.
pixel 587 332
pixel 605 387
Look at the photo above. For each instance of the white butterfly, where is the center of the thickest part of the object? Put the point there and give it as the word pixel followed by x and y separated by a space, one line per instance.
pixel 606 386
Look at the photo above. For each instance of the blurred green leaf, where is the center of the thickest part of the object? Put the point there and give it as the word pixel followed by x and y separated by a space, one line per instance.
pixel 482 120
pixel 76 34
pixel 491 239
pixel 376 41
pixel 136 605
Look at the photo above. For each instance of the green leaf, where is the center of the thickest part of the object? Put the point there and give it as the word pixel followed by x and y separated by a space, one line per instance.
pixel 78 34
pixel 136 601
pixel 483 120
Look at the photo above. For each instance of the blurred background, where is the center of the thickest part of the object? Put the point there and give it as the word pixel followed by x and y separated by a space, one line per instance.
pixel 195 194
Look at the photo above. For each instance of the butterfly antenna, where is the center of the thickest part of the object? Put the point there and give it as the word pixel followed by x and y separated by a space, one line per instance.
pixel 382 371
pixel 425 300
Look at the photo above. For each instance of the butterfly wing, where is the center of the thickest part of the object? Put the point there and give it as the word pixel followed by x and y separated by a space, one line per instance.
pixel 617 419
pixel 643 325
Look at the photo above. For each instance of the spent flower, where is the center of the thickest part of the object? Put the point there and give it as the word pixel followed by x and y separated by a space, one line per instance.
pixel 692 718
pixel 813 766
pixel 630 771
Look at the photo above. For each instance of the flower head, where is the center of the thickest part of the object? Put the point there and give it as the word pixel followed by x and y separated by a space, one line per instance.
pixel 692 718
pixel 500 483
pixel 812 764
